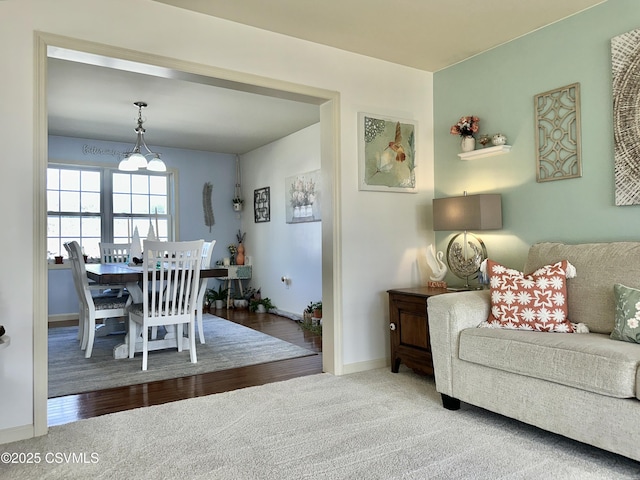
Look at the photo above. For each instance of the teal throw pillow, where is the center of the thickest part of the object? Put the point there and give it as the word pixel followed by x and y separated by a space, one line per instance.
pixel 627 326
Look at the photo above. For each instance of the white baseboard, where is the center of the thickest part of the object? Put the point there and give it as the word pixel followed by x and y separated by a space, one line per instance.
pixel 364 366
pixel 63 317
pixel 14 434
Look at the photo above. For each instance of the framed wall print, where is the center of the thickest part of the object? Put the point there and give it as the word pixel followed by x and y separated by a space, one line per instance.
pixel 303 197
pixel 262 205
pixel 386 153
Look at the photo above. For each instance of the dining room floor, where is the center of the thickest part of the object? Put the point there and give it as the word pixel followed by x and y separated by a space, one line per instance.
pixel 70 408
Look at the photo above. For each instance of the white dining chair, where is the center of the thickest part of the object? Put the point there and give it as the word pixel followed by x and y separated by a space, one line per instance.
pixel 207 249
pixel 171 279
pixel 92 307
pixel 114 252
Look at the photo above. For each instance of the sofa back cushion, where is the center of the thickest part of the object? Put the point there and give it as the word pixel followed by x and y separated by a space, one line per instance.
pixel 599 266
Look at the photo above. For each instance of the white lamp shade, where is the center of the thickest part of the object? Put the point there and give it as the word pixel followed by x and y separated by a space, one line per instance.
pixel 156 165
pixel 138 160
pixel 126 166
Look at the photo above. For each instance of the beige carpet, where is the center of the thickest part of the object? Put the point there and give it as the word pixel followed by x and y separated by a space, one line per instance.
pixel 227 345
pixel 371 425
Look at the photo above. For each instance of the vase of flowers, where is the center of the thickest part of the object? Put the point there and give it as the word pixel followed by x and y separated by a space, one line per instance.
pixel 466 128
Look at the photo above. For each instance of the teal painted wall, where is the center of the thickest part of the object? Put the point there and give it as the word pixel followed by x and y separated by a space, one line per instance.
pixel 498 86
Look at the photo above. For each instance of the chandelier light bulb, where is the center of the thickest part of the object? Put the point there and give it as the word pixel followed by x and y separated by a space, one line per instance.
pixel 135 159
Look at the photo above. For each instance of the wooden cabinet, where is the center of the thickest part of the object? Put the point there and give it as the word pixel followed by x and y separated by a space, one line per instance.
pixel 409 328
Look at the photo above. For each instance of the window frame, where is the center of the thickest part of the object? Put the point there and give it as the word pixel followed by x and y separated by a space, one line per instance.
pixel 106 212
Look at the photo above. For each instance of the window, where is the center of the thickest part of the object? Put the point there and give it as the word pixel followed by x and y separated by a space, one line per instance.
pixel 93 204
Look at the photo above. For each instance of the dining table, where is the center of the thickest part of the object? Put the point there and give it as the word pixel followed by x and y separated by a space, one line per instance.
pixel 132 276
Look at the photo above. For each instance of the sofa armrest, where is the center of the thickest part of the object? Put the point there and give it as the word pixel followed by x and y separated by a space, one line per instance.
pixel 448 315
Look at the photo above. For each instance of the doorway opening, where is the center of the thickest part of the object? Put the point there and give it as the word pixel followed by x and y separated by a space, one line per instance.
pixel 49 45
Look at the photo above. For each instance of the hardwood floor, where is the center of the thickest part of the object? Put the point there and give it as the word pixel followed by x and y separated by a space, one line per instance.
pixel 92 404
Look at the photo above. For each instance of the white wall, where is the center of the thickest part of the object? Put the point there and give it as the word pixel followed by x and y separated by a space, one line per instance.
pixel 276 247
pixel 378 236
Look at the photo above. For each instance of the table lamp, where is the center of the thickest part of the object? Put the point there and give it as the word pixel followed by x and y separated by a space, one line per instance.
pixel 466 251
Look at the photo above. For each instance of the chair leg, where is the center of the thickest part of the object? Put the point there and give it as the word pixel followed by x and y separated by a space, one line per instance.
pixel 145 346
pixel 90 334
pixel 154 333
pixel 80 322
pixel 200 331
pixel 133 336
pixel 179 336
pixel 192 342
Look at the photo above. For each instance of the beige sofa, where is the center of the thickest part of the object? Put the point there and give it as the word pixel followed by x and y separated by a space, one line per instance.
pixel 584 386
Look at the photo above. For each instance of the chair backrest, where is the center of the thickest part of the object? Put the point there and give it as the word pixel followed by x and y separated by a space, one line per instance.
pixel 207 250
pixel 114 252
pixel 171 279
pixel 74 272
pixel 79 271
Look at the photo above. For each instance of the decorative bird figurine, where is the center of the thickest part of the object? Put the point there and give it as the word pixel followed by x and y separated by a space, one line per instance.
pixel 396 146
pixel 437 266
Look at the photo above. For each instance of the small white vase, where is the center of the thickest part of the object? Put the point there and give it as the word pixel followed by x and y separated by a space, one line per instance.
pixel 468 144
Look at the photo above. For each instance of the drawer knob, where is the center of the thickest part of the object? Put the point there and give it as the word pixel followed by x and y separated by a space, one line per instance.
pixel 392 326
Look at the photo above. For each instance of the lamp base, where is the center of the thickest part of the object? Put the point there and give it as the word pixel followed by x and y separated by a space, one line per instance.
pixel 465 253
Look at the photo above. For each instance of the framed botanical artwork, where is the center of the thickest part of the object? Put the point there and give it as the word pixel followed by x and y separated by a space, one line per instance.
pixel 262 204
pixel 303 197
pixel 386 153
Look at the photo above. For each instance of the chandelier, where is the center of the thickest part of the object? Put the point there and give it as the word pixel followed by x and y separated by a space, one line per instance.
pixel 136 159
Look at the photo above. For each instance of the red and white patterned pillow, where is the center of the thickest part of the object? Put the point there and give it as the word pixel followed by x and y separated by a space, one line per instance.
pixel 537 301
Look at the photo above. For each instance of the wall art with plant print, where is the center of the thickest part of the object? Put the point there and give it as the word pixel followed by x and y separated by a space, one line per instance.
pixel 303 194
pixel 387 153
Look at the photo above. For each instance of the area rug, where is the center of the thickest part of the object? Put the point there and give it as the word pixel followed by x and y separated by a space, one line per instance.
pixel 227 345
pixel 371 425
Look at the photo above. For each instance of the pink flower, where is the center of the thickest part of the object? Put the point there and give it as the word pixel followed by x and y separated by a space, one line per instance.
pixel 466 126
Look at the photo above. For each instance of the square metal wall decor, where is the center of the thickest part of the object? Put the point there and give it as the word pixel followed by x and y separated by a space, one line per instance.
pixel 262 204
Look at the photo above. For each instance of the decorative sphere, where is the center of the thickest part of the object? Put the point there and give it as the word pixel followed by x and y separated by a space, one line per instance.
pixel 499 139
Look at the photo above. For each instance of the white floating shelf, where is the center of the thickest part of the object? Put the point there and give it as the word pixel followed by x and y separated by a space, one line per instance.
pixel 5 340
pixel 485 152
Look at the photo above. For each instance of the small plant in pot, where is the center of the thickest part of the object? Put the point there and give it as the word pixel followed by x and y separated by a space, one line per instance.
pixel 217 297
pixel 261 305
pixel 237 204
pixel 308 312
pixel 317 310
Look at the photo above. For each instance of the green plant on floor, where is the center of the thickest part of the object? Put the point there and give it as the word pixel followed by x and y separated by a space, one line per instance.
pixel 212 295
pixel 266 302
pixel 311 325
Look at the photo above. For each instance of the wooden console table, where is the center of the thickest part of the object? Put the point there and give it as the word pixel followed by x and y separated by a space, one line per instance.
pixel 408 322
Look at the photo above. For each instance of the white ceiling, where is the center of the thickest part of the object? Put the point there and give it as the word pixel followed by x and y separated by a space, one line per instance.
pixel 90 100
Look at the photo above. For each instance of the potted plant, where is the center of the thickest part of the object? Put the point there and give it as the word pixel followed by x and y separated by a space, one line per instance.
pixel 308 312
pixel 317 310
pixel 237 204
pixel 240 301
pixel 217 297
pixel 261 305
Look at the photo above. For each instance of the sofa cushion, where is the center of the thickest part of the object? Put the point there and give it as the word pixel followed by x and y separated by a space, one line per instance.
pixel 537 301
pixel 600 266
pixel 627 326
pixel 590 361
